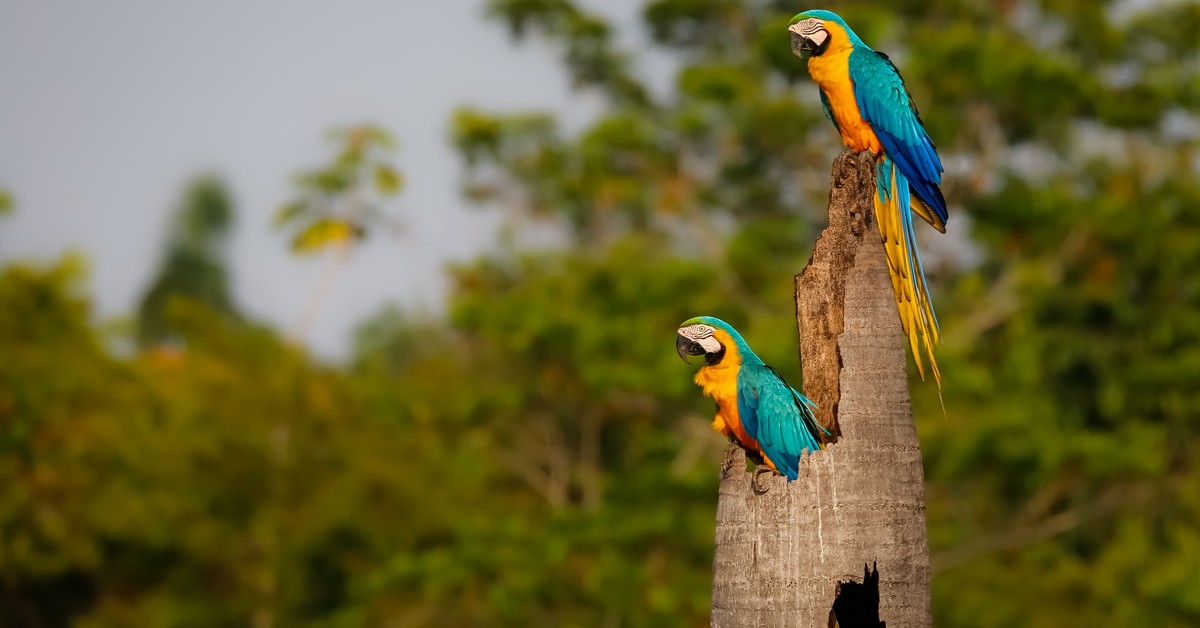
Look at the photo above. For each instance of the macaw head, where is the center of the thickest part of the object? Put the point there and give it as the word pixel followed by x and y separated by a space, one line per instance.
pixel 710 337
pixel 814 32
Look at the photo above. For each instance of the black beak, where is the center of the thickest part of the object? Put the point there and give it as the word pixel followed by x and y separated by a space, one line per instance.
pixel 802 46
pixel 685 346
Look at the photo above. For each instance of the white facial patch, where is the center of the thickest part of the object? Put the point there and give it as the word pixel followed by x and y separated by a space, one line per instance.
pixel 703 336
pixel 811 29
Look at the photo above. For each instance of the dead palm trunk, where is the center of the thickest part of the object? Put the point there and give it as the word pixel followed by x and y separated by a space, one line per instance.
pixel 781 555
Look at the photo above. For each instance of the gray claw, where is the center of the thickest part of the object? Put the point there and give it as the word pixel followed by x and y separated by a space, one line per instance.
pixel 756 483
pixel 730 460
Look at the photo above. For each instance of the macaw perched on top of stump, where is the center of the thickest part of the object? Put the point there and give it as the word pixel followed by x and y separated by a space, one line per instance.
pixel 865 98
pixel 756 408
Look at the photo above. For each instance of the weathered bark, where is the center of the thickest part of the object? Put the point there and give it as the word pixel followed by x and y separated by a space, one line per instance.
pixel 781 554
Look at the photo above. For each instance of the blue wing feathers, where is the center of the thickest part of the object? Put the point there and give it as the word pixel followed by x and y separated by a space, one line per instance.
pixel 808 410
pixel 888 108
pixel 747 407
pixel 777 416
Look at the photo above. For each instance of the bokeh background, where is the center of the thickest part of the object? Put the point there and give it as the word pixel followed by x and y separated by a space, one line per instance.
pixel 362 314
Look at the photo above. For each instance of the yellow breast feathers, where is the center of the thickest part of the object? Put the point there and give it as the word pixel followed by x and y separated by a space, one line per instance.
pixel 719 381
pixel 831 72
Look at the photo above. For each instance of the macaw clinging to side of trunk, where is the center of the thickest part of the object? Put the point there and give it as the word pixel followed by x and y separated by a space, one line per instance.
pixel 756 408
pixel 865 98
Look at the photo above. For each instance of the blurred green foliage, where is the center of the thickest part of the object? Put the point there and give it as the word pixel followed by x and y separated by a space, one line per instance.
pixel 336 203
pixel 540 457
pixel 194 264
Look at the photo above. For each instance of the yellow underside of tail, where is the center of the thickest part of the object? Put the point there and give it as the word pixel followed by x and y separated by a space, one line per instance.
pixel 912 295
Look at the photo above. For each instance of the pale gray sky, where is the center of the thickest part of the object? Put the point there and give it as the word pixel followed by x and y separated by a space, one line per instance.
pixel 108 108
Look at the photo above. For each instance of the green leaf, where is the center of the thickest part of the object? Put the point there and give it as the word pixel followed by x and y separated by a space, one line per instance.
pixel 387 180
pixel 6 202
pixel 288 212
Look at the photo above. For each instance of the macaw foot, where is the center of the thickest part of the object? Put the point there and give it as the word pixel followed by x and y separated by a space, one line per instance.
pixel 757 482
pixel 730 460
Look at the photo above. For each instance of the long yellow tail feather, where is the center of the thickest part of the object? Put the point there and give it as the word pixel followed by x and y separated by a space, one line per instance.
pixel 908 282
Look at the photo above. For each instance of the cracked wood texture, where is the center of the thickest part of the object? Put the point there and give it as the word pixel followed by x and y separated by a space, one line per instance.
pixel 780 554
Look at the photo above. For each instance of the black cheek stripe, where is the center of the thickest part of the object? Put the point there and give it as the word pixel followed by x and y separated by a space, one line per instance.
pixel 712 359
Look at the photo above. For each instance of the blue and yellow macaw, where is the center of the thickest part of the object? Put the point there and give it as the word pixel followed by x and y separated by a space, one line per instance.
pixel 865 98
pixel 755 408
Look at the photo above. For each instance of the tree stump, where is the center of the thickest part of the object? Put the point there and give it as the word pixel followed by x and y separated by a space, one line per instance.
pixel 781 554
